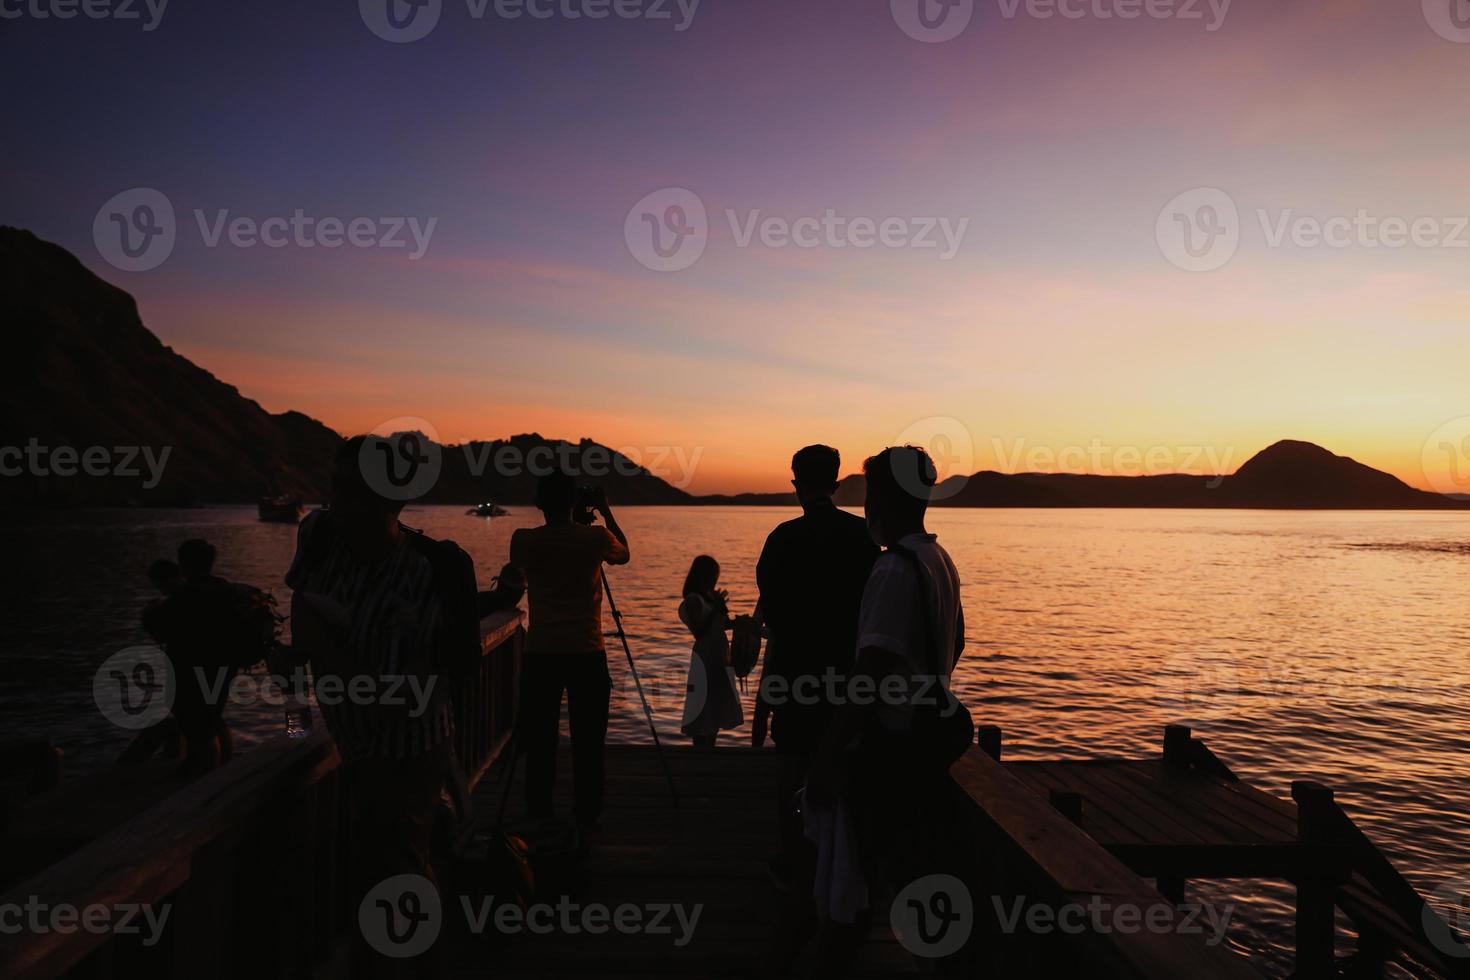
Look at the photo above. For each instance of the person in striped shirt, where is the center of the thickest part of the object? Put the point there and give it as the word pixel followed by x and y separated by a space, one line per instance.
pixel 385 615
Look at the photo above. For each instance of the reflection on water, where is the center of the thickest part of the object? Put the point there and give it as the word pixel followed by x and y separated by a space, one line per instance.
pixel 1328 646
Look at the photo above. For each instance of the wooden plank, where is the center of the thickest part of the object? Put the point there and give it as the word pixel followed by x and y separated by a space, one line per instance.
pixel 1061 858
pixel 148 857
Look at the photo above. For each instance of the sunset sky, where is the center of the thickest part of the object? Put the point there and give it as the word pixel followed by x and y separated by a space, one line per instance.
pixel 1059 321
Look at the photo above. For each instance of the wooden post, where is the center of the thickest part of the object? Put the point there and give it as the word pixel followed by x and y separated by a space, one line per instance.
pixel 987 737
pixel 1177 746
pixel 1316 929
pixel 1068 804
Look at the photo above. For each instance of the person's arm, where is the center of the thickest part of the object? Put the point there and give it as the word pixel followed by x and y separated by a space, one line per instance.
pixel 618 553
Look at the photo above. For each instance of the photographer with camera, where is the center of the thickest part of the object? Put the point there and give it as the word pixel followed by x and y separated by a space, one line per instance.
pixel 562 561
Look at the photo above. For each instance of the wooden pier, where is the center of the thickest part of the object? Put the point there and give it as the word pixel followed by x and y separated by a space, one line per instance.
pixel 251 860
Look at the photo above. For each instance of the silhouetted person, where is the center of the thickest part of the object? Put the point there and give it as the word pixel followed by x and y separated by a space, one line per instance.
pixel 191 623
pixel 811 574
pixel 711 703
pixel 562 561
pixel 375 601
pixel 911 628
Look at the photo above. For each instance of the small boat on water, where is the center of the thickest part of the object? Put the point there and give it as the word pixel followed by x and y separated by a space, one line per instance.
pixel 488 509
pixel 281 510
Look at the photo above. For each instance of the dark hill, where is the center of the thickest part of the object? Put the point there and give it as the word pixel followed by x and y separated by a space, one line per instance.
pixel 84 372
pixel 1292 474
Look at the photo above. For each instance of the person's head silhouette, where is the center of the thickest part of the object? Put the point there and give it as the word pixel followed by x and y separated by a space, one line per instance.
pixel 366 517
pixel 196 558
pixel 900 480
pixel 814 474
pixel 556 496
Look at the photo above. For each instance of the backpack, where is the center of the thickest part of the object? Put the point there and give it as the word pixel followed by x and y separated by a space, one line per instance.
pixel 745 646
pixel 253 625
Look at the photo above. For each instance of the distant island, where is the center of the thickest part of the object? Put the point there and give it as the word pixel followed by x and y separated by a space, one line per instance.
pixel 86 372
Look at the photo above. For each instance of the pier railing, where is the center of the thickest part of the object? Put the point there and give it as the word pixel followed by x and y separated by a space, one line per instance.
pixel 248 863
pixel 1053 900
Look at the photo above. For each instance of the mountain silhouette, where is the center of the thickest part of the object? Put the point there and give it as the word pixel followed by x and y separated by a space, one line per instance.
pixel 86 372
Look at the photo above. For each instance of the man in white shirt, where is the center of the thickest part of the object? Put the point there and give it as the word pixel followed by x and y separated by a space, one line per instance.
pixel 910 635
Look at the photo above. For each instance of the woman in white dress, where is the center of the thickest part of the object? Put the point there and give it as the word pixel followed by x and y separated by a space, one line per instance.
pixel 711 704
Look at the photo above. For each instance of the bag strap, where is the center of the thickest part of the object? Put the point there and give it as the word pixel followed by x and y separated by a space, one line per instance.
pixel 921 577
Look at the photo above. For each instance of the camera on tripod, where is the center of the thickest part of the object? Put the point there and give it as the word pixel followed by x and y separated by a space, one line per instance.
pixel 589 500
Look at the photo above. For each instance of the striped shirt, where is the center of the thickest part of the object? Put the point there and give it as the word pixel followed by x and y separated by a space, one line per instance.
pixel 391 620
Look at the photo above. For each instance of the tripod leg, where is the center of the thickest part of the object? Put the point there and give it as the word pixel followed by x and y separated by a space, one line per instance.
pixel 647 711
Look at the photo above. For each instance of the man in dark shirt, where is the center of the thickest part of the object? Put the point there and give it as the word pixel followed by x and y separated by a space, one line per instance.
pixel 811 576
